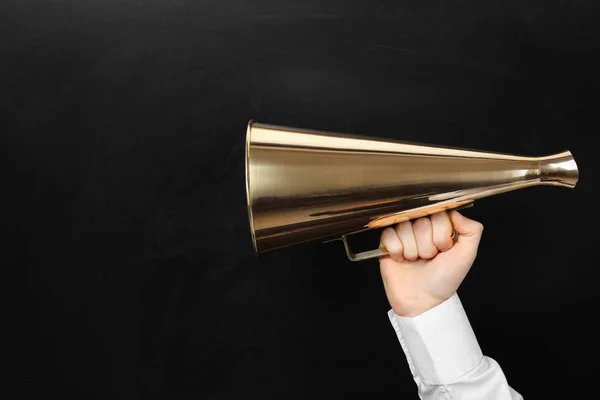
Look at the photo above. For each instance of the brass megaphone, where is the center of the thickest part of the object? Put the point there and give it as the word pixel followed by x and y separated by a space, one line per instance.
pixel 304 185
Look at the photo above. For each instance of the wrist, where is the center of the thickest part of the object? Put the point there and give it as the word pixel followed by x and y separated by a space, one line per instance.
pixel 416 307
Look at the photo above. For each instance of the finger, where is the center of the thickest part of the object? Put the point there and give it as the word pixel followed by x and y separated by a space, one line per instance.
pixel 391 241
pixel 469 235
pixel 442 231
pixel 466 228
pixel 424 236
pixel 407 237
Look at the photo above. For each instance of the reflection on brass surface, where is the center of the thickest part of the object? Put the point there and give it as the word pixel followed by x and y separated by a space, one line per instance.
pixel 305 185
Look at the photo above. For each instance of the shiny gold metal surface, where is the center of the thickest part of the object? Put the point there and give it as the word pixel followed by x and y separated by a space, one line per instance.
pixel 305 185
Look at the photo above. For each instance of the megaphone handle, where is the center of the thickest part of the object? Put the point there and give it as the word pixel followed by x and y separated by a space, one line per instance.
pixel 366 255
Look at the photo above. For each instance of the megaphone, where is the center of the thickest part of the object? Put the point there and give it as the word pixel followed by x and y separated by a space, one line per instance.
pixel 306 185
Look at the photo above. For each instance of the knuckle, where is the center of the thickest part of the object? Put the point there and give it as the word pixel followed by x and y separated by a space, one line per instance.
pixel 386 235
pixel 396 256
pixel 411 255
pixel 421 223
pixel 479 227
pixel 391 243
pixel 428 254
pixel 404 226
pixel 443 243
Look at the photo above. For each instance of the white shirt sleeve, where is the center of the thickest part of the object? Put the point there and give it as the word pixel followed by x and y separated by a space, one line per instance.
pixel 445 359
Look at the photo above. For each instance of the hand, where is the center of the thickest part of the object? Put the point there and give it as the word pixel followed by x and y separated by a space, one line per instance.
pixel 426 266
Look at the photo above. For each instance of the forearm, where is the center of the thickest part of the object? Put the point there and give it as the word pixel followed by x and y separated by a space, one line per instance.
pixel 445 358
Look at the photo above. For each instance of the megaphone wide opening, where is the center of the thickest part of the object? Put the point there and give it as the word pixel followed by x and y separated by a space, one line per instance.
pixel 248 191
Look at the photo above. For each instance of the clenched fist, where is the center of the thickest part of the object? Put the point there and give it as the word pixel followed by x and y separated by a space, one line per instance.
pixel 427 263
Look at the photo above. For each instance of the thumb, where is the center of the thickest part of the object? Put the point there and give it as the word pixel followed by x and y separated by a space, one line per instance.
pixel 469 234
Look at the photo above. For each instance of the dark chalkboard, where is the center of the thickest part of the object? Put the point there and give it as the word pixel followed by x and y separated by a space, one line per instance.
pixel 129 268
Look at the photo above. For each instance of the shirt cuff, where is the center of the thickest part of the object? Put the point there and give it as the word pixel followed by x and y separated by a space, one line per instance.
pixel 439 344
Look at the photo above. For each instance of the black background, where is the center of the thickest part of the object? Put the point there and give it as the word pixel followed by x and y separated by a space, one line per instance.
pixel 128 265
